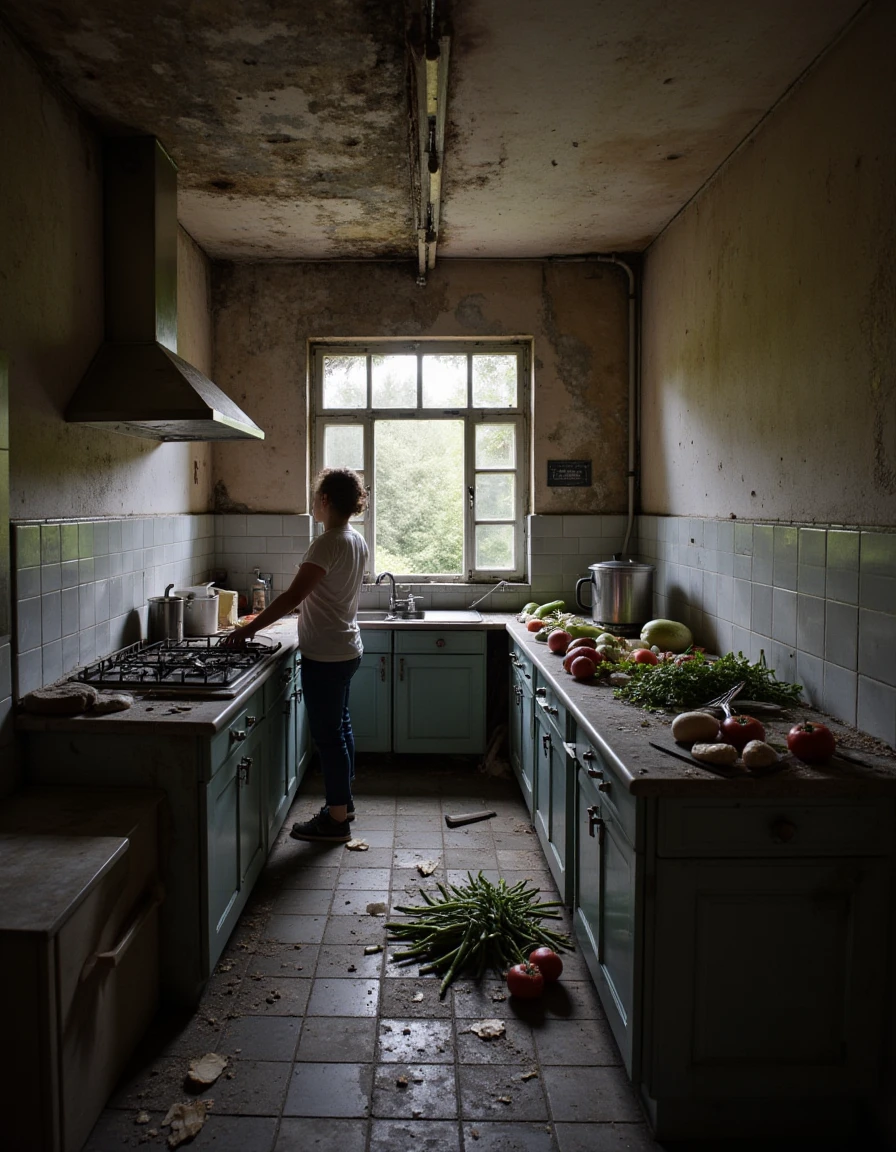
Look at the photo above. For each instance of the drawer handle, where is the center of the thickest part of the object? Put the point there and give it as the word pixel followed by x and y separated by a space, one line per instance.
pixel 783 831
pixel 237 736
pixel 244 766
pixel 383 668
pixel 551 711
pixel 594 821
pixel 440 643
pixel 604 786
pixel 570 749
pixel 115 955
pixel 251 721
pixel 298 695
pixel 401 668
pixel 588 755
pixel 546 744
pixel 595 773
pixel 541 692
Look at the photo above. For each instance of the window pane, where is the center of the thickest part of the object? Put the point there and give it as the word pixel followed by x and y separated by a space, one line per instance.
pixel 393 381
pixel 494 496
pixel 494 381
pixel 345 381
pixel 344 446
pixel 444 381
pixel 494 546
pixel 495 446
pixel 418 485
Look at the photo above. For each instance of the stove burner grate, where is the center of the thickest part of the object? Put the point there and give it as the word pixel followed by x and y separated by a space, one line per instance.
pixel 196 662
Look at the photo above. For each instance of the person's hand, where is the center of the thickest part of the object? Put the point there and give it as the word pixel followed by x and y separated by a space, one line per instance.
pixel 235 639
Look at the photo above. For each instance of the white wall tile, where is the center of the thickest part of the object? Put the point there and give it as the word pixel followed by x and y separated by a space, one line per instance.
pixel 876 709
pixel 877 645
pixel 841 634
pixel 840 692
pixel 810 612
pixel 784 616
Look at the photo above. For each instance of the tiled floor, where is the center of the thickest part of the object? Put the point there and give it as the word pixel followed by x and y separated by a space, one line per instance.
pixel 334 1050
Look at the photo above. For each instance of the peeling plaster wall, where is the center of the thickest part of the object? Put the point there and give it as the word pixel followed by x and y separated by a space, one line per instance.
pixel 51 319
pixel 769 336
pixel 576 312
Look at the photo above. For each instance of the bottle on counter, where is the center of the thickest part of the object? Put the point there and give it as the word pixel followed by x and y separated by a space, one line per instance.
pixel 260 591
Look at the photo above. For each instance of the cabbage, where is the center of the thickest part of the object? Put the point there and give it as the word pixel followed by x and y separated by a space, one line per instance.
pixel 667 635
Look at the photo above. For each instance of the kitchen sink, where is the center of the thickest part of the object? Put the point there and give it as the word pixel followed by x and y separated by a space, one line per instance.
pixel 429 616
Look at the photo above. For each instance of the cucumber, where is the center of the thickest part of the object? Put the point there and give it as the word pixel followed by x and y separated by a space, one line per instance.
pixel 530 607
pixel 546 609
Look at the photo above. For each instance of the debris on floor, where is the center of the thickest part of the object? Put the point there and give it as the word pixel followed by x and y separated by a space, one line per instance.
pixel 142 1118
pixel 355 845
pixel 372 949
pixel 377 909
pixel 488 1029
pixel 456 821
pixel 427 867
pixel 185 1121
pixel 206 1069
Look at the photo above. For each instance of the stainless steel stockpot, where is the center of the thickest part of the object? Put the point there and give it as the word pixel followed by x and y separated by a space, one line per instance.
pixel 621 592
pixel 166 617
pixel 200 610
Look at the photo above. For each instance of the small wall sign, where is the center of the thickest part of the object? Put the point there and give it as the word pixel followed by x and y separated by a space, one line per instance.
pixel 569 473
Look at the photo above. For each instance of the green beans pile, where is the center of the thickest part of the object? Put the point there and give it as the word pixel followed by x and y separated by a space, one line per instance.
pixel 476 926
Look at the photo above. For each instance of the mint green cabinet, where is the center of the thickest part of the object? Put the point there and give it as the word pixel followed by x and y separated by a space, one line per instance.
pixel 288 748
pixel 521 731
pixel 370 696
pixel 554 768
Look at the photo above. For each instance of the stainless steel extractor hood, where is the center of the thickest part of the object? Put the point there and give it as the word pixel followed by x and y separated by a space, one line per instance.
pixel 137 384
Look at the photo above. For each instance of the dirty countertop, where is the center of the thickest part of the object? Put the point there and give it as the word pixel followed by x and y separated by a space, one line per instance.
pixel 624 732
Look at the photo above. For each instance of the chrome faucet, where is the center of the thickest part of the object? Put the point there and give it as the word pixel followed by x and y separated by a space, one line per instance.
pixel 388 576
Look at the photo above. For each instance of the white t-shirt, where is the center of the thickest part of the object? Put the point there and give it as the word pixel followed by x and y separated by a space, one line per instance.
pixel 328 626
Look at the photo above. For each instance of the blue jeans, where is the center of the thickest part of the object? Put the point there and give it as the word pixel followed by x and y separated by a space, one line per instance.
pixel 325 688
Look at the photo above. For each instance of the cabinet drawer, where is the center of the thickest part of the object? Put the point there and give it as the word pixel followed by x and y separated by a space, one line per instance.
pixel 522 665
pixel 608 782
pixel 549 705
pixel 376 639
pixel 456 641
pixel 240 727
pixel 766 828
pixel 281 680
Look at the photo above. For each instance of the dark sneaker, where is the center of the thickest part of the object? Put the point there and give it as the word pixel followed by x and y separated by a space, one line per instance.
pixel 325 811
pixel 321 827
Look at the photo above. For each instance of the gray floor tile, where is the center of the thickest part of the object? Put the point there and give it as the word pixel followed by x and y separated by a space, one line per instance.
pixel 357 902
pixel 372 822
pixel 333 1039
pixel 419 1135
pixel 516 1046
pixel 302 902
pixel 400 999
pixel 576 1042
pixel 260 1038
pixel 415 1041
pixel 296 960
pixel 298 1135
pixel 470 860
pixel 591 1094
pixel 251 1088
pixel 355 930
pixel 295 929
pixel 319 878
pixel 498 1092
pixel 419 823
pixel 348 961
pixel 375 837
pixel 372 858
pixel 236 1133
pixel 487 1136
pixel 606 1138
pixel 415 1091
pixel 331 997
pixel 115 1130
pixel 350 877
pixel 273 996
pixel 329 1090
pixel 419 839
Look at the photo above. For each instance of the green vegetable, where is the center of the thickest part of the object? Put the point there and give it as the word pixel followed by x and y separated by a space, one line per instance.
pixel 476 926
pixel 529 608
pixel 667 635
pixel 542 635
pixel 688 685
pixel 547 609
pixel 579 630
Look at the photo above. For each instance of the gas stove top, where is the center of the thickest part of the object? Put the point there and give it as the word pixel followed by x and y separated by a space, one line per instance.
pixel 197 665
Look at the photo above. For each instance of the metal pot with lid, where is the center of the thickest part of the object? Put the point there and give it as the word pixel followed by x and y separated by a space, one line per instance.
pixel 166 617
pixel 621 594
pixel 200 610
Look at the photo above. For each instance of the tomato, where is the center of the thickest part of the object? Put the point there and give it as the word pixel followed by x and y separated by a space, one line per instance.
pixel 644 656
pixel 548 962
pixel 558 640
pixel 740 730
pixel 534 626
pixel 583 642
pixel 525 981
pixel 811 743
pixel 583 653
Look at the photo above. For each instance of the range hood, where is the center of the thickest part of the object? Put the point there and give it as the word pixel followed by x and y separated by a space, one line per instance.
pixel 137 384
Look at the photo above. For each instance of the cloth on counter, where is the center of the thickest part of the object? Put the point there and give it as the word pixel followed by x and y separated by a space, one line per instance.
pixel 111 702
pixel 66 699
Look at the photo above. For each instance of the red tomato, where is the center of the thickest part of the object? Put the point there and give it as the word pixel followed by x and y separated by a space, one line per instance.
pixel 548 962
pixel 644 656
pixel 811 743
pixel 534 626
pixel 582 668
pixel 575 653
pixel 558 640
pixel 740 730
pixel 525 981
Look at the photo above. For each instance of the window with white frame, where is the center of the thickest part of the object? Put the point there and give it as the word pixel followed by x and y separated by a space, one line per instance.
pixel 438 432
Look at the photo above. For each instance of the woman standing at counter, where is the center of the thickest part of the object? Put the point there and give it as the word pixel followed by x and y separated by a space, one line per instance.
pixel 327 586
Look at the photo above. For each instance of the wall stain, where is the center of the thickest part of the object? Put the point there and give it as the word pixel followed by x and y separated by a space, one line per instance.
pixel 880 334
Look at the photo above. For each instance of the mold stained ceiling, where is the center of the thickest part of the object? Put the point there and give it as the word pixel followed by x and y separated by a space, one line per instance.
pixel 574 127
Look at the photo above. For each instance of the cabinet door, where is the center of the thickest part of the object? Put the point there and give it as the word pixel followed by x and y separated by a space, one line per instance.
pixel 281 759
pixel 439 703
pixel 554 803
pixel 768 977
pixel 370 703
pixel 521 739
pixel 606 901
pixel 251 773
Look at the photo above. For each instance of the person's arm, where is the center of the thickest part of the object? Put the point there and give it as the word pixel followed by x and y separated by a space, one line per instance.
pixel 305 580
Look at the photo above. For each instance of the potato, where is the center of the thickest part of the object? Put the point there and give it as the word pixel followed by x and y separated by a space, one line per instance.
pixel 758 754
pixel 689 727
pixel 715 753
